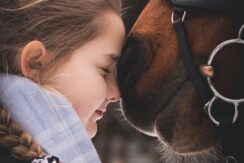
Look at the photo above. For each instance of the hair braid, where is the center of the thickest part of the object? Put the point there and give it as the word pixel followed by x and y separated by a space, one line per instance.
pixel 18 142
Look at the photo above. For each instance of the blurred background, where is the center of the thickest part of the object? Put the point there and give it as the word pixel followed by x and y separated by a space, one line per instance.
pixel 116 141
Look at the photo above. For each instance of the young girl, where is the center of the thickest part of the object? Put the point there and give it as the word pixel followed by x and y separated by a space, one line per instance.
pixel 57 60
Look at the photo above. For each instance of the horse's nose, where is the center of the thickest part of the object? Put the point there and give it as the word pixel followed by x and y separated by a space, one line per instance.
pixel 133 61
pixel 128 61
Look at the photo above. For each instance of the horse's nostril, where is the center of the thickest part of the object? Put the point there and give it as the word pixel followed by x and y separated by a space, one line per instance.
pixel 129 58
pixel 135 58
pixel 127 63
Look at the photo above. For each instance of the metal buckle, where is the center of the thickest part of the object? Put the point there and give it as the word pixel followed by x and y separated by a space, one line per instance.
pixel 173 20
pixel 236 102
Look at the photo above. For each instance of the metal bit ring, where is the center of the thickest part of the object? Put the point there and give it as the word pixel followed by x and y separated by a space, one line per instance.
pixel 217 95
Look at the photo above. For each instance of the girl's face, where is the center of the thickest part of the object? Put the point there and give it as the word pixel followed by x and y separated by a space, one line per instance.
pixel 87 77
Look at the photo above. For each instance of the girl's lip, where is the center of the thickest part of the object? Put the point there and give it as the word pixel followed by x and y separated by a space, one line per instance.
pixel 99 114
pixel 103 109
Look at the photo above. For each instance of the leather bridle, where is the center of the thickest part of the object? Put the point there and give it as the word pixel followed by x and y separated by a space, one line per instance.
pixel 207 93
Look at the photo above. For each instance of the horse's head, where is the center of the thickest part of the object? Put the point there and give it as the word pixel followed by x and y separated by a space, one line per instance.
pixel 158 97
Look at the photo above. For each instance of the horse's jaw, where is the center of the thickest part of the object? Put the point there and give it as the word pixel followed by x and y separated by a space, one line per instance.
pixel 191 136
pixel 211 155
pixel 176 141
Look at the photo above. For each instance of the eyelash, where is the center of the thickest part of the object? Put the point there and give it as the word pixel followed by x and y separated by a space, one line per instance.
pixel 106 70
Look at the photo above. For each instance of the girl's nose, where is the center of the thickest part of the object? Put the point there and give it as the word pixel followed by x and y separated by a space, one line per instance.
pixel 113 92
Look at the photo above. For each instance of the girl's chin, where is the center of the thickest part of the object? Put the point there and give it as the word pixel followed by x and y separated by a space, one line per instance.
pixel 91 129
pixel 91 125
pixel 92 134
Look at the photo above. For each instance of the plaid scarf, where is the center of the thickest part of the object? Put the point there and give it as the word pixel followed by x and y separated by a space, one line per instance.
pixel 50 119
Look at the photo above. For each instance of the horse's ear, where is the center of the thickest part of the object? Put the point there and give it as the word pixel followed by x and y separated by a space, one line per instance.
pixel 132 10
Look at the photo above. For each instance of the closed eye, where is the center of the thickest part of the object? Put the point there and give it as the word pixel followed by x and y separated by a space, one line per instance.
pixel 106 70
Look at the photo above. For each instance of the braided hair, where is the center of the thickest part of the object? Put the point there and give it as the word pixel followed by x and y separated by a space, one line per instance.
pixel 13 138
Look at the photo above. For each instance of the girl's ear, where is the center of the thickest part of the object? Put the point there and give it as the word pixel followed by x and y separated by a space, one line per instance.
pixel 32 58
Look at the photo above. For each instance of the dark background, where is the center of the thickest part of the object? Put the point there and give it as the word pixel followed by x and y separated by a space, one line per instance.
pixel 116 141
pixel 131 10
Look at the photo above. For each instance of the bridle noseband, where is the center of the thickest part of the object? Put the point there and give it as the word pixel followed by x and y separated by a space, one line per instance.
pixel 207 93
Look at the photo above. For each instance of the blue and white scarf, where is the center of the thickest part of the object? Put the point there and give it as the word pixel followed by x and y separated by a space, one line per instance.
pixel 50 119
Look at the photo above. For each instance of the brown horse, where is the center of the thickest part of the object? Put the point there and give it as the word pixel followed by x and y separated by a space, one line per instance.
pixel 158 97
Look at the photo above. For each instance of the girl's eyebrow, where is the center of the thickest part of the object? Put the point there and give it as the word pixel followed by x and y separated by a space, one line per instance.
pixel 113 56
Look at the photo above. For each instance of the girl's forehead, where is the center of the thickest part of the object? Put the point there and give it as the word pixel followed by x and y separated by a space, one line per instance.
pixel 110 21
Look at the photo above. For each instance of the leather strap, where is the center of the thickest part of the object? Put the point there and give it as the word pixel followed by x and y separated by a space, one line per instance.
pixel 196 78
pixel 229 137
pixel 227 6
